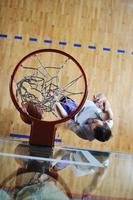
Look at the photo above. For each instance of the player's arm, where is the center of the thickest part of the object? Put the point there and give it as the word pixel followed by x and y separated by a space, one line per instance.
pixel 71 124
pixel 60 110
pixel 107 109
pixel 101 101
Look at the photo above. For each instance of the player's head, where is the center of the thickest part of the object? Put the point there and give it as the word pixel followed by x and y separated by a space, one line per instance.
pixel 102 132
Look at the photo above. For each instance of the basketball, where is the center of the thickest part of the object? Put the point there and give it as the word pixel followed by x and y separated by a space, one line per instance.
pixel 34 110
pixel 31 109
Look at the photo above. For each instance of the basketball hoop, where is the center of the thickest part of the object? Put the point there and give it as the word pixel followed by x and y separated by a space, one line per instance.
pixel 42 78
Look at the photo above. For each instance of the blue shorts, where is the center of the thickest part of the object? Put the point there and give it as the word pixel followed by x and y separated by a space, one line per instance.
pixel 68 104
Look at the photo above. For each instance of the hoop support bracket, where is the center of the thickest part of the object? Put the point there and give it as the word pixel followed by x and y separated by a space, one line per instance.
pixel 42 133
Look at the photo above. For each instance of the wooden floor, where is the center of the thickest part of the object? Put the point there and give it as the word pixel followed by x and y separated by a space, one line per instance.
pixel 98 33
pixel 102 31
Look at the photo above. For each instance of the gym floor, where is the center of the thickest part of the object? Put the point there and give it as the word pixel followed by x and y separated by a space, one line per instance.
pixel 97 33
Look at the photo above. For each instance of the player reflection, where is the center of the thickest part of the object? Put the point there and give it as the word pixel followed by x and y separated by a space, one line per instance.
pixel 98 173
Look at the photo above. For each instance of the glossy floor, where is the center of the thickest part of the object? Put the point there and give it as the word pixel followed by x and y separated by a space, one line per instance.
pixel 29 172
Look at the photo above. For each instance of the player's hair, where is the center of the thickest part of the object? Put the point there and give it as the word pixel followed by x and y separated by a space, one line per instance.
pixel 102 133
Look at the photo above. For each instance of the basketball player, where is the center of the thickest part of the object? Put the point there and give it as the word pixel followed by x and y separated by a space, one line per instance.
pixel 94 121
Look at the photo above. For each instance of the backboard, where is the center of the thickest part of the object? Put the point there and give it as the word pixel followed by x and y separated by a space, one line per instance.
pixel 63 172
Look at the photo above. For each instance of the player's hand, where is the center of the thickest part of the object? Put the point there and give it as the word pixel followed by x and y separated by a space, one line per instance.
pixel 99 100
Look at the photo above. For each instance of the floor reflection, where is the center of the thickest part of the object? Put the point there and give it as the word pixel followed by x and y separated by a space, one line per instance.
pixel 34 179
pixel 41 179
